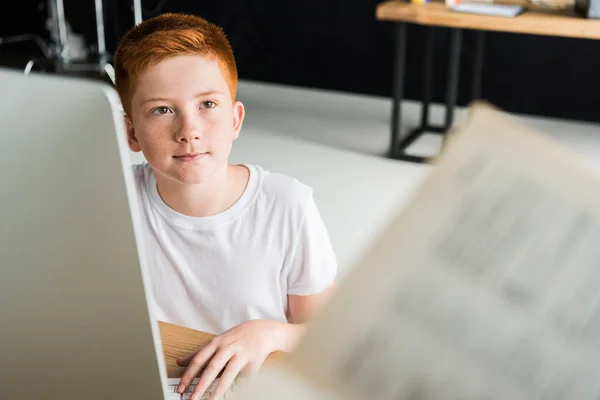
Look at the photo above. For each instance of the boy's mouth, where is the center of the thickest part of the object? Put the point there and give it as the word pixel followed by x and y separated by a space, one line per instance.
pixel 190 156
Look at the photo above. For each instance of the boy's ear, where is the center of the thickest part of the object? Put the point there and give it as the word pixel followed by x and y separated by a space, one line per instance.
pixel 238 118
pixel 131 138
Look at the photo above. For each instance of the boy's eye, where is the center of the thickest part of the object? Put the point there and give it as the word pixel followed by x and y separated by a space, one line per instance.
pixel 208 104
pixel 160 110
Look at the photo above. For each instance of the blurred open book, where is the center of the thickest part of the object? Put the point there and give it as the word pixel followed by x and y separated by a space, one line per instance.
pixel 485 286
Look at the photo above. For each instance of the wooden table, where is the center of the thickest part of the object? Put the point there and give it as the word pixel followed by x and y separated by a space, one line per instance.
pixel 178 341
pixel 533 21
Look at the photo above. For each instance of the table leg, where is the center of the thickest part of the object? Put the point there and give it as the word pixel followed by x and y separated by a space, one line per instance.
pixel 453 76
pixel 414 134
pixel 398 85
pixel 398 144
pixel 427 76
pixel 478 65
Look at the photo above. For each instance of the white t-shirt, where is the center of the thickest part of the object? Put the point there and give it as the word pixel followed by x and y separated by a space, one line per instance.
pixel 212 273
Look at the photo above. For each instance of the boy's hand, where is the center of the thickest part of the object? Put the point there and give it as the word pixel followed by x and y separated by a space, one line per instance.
pixel 243 348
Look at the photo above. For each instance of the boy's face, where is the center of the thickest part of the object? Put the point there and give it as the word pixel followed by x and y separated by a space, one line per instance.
pixel 183 118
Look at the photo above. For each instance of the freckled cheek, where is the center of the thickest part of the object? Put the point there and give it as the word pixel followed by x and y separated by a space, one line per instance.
pixel 157 137
pixel 160 130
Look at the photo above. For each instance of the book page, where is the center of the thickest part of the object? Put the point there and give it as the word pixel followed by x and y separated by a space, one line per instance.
pixel 486 286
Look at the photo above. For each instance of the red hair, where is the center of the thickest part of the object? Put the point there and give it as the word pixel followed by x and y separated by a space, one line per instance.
pixel 169 35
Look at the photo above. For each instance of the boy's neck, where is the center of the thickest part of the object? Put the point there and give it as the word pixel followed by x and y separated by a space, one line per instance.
pixel 207 199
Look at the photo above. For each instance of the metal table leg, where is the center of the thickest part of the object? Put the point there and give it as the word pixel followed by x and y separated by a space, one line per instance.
pixel 478 65
pixel 398 150
pixel 414 134
pixel 398 143
pixel 428 75
pixel 398 86
pixel 453 76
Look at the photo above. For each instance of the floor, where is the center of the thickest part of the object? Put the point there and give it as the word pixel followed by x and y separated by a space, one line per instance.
pixel 360 123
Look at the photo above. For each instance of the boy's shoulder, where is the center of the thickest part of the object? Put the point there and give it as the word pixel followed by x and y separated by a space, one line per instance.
pixel 281 188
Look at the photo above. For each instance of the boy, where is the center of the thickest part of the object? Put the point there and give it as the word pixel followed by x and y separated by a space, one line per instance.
pixel 233 249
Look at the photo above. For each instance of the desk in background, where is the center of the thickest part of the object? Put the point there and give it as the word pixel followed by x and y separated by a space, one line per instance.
pixel 532 21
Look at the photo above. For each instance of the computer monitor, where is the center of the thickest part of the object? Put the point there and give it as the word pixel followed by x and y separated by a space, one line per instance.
pixel 75 320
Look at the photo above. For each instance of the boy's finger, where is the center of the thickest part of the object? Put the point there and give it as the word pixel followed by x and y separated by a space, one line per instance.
pixel 185 361
pixel 235 365
pixel 214 367
pixel 194 365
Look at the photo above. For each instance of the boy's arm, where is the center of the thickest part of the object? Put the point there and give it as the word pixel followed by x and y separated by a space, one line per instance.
pixel 246 346
pixel 301 310
pixel 311 276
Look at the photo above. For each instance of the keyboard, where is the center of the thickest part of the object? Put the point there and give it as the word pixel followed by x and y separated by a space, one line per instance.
pixel 174 382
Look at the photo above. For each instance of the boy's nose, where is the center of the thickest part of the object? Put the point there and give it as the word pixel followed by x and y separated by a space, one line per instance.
pixel 187 138
pixel 188 131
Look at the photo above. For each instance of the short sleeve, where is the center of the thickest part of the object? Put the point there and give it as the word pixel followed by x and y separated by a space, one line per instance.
pixel 313 265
